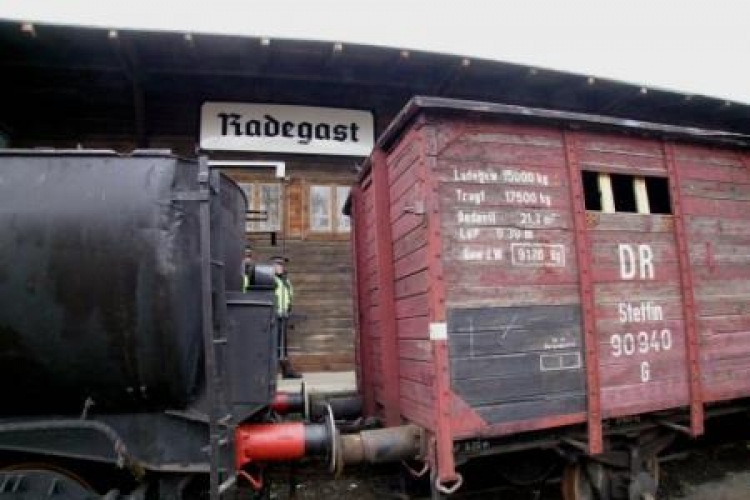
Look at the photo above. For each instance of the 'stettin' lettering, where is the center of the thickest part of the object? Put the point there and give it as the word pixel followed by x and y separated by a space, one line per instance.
pixel 640 312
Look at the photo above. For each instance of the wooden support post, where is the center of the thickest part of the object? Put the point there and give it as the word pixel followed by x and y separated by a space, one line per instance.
pixel 588 303
pixel 606 196
pixel 692 344
pixel 362 303
pixel 389 368
pixel 641 195
pixel 438 334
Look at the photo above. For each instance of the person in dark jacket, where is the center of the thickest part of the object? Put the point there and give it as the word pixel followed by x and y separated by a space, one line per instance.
pixel 248 272
pixel 284 292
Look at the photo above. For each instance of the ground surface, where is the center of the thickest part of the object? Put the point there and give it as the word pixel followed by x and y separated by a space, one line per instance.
pixel 712 470
pixel 709 472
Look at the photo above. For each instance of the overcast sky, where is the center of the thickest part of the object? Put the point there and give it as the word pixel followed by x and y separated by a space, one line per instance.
pixel 697 47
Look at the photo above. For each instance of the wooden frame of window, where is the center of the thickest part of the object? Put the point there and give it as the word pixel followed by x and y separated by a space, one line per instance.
pixel 329 222
pixel 607 196
pixel 258 193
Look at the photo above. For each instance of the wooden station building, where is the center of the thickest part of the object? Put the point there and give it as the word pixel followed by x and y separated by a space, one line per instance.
pixel 290 120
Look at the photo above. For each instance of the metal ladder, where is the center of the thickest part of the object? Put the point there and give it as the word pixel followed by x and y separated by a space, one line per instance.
pixel 221 477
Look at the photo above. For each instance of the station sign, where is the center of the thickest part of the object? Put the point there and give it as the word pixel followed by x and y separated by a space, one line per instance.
pixel 279 128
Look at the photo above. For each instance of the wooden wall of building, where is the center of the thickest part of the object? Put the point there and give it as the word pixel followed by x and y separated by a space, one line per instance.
pixel 320 262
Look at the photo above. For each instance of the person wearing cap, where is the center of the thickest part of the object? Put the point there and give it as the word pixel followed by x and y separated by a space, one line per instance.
pixel 284 292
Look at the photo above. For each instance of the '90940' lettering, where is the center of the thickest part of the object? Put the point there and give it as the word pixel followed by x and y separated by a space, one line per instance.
pixel 629 344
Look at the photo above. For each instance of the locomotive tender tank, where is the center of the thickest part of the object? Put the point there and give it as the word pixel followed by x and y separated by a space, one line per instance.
pixel 100 280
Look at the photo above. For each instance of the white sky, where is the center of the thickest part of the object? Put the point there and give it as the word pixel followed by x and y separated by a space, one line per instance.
pixel 693 46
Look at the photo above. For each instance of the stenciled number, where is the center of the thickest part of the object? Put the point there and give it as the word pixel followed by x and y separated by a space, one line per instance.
pixel 628 344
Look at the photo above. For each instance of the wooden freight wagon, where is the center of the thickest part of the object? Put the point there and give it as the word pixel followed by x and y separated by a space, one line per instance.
pixel 538 278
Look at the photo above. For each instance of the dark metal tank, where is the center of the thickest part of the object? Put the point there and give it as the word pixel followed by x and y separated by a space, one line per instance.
pixel 100 278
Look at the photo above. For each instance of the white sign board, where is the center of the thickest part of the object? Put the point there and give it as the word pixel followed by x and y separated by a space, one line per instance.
pixel 227 126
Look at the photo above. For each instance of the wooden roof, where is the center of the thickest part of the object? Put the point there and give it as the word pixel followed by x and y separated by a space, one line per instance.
pixel 63 82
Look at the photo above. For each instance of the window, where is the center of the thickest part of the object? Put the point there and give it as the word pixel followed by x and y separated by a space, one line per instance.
pixel 610 193
pixel 326 207
pixel 264 206
pixel 320 208
pixel 343 225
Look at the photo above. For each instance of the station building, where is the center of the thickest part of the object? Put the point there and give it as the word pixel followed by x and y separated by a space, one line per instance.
pixel 290 120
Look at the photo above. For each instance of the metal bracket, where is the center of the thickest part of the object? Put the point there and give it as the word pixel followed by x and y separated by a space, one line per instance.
pixel 416 208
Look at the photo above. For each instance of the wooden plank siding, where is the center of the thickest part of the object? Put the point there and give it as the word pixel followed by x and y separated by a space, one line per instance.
pixel 410 259
pixel 321 335
pixel 509 266
pixel 507 229
pixel 642 356
pixel 716 194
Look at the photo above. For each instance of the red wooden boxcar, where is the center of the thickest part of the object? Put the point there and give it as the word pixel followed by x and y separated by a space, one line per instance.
pixel 527 270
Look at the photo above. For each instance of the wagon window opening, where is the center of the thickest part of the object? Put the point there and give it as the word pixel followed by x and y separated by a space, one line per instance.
pixel 658 195
pixel 591 191
pixel 622 193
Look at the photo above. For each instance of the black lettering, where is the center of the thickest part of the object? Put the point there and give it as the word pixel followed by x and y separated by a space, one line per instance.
pixel 230 119
pixel 323 131
pixel 339 133
pixel 354 128
pixel 286 129
pixel 304 132
pixel 271 127
pixel 252 128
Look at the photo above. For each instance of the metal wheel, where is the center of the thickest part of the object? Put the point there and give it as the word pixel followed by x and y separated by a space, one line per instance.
pixel 645 484
pixel 587 480
pixel 44 479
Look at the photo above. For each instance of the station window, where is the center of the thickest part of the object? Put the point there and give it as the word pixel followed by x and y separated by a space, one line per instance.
pixel 264 206
pixel 610 193
pixel 326 207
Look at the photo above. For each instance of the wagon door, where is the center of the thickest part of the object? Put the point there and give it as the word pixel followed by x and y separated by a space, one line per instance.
pixel 634 276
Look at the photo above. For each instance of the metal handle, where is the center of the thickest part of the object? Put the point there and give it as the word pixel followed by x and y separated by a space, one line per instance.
pixel 449 490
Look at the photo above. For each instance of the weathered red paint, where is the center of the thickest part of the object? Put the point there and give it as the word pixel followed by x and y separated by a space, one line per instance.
pixel 387 307
pixel 362 297
pixel 446 468
pixel 593 394
pixel 688 302
pixel 699 281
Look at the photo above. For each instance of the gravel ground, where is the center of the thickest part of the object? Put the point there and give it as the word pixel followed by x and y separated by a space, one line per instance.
pixel 713 473
pixel 708 472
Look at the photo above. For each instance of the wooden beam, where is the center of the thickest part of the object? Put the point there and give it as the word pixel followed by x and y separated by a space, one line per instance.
pixel 641 195
pixel 606 196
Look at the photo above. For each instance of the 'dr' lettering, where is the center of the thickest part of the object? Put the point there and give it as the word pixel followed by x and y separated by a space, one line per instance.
pixel 640 264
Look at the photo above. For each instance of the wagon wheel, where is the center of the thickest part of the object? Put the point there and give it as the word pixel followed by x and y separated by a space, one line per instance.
pixel 57 477
pixel 645 484
pixel 587 480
